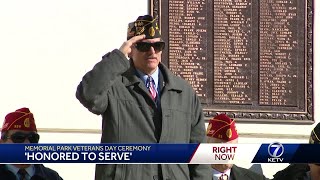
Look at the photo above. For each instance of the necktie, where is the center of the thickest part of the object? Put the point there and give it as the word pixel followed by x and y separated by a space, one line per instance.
pixel 223 177
pixel 22 174
pixel 151 87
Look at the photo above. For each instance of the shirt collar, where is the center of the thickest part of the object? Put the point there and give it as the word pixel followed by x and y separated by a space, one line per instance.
pixel 154 75
pixel 30 170
pixel 217 174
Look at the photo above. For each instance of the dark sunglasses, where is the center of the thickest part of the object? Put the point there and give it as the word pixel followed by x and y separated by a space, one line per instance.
pixel 20 137
pixel 145 46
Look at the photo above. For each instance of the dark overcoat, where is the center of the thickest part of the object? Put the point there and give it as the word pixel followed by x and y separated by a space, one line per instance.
pixel 293 172
pixel 112 89
pixel 239 173
pixel 41 173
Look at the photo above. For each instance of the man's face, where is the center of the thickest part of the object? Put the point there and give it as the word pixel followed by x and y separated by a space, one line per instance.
pixel 19 136
pixel 221 167
pixel 147 61
pixel 314 171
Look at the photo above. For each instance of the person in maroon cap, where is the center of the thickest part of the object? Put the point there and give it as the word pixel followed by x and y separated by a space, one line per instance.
pixel 19 127
pixel 222 129
pixel 142 101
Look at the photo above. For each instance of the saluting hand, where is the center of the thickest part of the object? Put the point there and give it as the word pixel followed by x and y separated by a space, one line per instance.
pixel 127 45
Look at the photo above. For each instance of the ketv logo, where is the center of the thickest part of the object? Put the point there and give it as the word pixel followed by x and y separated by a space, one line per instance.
pixel 275 150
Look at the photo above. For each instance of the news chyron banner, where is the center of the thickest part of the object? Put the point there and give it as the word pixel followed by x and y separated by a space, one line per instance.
pixel 159 153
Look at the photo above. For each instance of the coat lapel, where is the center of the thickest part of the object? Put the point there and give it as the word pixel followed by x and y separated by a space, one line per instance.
pixel 236 174
pixel 170 81
pixel 131 80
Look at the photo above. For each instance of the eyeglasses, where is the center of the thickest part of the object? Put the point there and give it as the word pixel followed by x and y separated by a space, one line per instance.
pixel 145 46
pixel 20 137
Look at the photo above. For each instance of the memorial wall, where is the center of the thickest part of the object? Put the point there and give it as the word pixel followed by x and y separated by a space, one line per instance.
pixel 251 59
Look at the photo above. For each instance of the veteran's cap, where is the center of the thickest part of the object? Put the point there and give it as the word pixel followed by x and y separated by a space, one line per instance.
pixel 315 135
pixel 222 127
pixel 21 119
pixel 144 25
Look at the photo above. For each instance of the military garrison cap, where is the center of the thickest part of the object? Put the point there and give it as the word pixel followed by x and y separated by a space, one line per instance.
pixel 144 25
pixel 222 127
pixel 21 119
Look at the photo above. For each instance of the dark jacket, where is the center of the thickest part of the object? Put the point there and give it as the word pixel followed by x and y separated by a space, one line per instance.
pixel 41 173
pixel 239 173
pixel 292 172
pixel 112 89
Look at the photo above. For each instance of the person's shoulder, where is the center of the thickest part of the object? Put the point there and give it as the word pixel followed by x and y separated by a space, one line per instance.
pixel 293 171
pixel 5 173
pixel 246 173
pixel 181 81
pixel 178 81
pixel 47 172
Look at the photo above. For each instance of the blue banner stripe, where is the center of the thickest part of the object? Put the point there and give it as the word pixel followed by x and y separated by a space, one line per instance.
pixel 290 153
pixel 96 153
pixel 195 150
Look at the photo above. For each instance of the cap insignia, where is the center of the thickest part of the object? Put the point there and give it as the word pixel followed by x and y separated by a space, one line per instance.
pixel 26 122
pixel 229 133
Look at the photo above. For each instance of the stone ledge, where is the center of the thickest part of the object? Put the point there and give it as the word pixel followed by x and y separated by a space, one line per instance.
pixel 244 135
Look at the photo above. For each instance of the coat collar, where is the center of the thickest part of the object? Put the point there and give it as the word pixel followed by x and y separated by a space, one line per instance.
pixel 39 173
pixel 236 172
pixel 5 173
pixel 171 81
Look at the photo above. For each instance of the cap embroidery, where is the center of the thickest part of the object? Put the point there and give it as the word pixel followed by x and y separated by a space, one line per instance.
pixel 152 31
pixel 229 133
pixel 27 122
